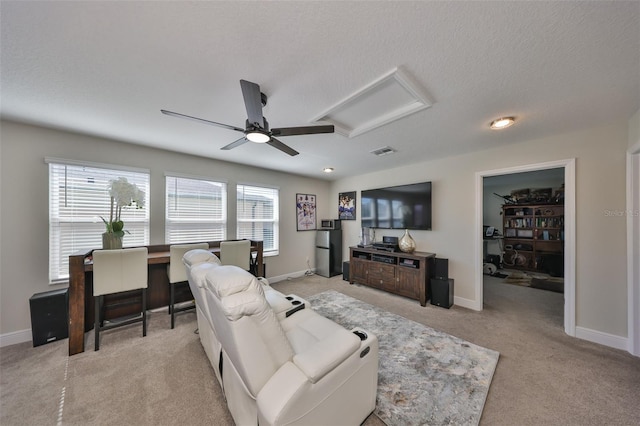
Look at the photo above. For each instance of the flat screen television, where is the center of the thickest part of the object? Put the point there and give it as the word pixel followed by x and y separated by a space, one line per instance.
pixel 397 207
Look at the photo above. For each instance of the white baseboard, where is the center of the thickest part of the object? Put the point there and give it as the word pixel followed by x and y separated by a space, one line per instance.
pixel 288 276
pixel 606 339
pixel 15 337
pixel 465 303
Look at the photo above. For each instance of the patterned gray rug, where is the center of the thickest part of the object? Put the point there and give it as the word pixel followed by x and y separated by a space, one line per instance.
pixel 426 377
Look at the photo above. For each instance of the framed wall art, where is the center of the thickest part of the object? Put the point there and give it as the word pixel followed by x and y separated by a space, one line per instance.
pixel 347 205
pixel 306 212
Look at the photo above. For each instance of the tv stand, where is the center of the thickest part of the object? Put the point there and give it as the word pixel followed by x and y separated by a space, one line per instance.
pixel 405 274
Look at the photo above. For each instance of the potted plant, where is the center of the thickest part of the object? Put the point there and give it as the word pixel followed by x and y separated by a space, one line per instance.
pixel 123 194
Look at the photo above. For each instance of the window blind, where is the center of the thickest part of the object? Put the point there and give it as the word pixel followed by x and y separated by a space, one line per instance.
pixel 196 210
pixel 78 198
pixel 258 215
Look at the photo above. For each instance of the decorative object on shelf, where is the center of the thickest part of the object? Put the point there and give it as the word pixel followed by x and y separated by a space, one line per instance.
pixel 406 243
pixel 305 212
pixel 347 205
pixel 123 194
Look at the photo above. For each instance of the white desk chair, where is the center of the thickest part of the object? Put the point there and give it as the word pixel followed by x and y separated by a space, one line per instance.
pixel 115 271
pixel 178 274
pixel 236 253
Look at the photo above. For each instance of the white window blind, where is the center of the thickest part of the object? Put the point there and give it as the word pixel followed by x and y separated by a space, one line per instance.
pixel 78 198
pixel 258 215
pixel 196 210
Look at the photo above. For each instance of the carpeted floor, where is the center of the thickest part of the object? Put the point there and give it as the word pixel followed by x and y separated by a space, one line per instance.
pixel 425 376
pixel 544 377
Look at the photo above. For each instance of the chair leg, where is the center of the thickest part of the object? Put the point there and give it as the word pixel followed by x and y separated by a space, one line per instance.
pixel 144 312
pixel 172 307
pixel 96 320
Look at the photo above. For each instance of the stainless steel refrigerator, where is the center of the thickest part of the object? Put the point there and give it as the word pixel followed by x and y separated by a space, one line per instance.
pixel 329 252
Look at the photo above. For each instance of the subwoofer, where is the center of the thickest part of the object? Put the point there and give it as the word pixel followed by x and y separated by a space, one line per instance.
pixel 442 292
pixel 49 312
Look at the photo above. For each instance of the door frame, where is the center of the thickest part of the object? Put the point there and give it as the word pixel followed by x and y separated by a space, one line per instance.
pixel 633 249
pixel 569 166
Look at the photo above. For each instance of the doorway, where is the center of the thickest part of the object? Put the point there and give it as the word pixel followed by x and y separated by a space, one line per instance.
pixel 568 166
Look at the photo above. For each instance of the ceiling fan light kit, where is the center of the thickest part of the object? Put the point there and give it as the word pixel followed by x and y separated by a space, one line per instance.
pixel 258 137
pixel 256 126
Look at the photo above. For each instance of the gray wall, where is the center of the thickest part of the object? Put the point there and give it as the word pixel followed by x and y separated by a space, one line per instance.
pixel 24 217
pixel 600 153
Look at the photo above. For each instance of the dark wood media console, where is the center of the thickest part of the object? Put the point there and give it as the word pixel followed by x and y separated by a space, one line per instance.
pixel 405 274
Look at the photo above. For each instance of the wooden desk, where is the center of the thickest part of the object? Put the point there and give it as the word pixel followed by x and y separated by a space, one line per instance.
pixel 81 304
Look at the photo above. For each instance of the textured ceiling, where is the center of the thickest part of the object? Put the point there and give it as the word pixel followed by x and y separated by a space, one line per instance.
pixel 107 68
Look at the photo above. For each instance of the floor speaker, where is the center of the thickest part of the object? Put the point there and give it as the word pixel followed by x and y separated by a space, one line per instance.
pixel 442 292
pixel 49 316
pixel 345 271
pixel 441 269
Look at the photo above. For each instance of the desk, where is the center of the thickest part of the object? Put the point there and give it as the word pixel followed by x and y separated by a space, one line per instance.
pixel 81 289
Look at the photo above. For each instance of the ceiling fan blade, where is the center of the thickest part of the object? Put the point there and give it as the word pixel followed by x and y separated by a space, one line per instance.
pixel 201 120
pixel 235 144
pixel 302 130
pixel 253 102
pixel 282 147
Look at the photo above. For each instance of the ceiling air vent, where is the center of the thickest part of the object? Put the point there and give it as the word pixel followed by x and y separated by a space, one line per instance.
pixel 383 151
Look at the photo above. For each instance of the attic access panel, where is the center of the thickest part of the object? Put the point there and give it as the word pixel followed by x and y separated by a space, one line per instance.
pixel 387 99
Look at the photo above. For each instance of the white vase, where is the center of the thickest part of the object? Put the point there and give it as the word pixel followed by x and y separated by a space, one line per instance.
pixel 406 243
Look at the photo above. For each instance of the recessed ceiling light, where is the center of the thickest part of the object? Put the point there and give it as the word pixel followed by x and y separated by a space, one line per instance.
pixel 502 123
pixel 328 169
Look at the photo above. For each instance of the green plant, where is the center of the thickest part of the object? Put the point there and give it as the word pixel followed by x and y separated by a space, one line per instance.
pixel 123 194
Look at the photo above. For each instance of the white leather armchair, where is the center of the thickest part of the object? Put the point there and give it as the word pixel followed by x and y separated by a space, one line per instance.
pixel 297 369
pixel 199 263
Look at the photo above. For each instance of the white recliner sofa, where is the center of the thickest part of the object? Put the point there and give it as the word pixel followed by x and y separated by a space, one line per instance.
pixel 279 362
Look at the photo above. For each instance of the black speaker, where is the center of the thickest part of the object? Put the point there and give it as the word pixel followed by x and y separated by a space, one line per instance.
pixel 49 316
pixel 442 292
pixel 345 271
pixel 441 268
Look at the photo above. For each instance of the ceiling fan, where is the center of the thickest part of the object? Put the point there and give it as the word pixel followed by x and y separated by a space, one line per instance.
pixel 256 126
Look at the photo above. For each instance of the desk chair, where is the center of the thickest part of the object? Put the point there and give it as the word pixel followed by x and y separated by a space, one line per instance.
pixel 178 275
pixel 116 271
pixel 236 253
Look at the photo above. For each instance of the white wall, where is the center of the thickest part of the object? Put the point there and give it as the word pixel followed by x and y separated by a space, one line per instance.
pixel 24 194
pixel 601 288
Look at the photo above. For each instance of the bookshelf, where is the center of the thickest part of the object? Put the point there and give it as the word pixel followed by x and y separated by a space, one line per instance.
pixel 534 237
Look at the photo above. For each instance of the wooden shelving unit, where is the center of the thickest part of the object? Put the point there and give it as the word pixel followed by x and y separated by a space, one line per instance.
pixel 396 272
pixel 533 237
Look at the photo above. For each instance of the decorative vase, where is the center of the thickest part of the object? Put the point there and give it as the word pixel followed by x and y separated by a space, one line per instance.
pixel 111 241
pixel 406 243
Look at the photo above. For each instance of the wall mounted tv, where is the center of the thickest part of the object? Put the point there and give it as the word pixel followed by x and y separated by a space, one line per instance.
pixel 397 207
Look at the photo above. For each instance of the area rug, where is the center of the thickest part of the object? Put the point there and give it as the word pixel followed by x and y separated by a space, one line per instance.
pixel 518 278
pixel 426 377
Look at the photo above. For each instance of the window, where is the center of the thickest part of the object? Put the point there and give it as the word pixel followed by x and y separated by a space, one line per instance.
pixel 258 215
pixel 196 210
pixel 78 198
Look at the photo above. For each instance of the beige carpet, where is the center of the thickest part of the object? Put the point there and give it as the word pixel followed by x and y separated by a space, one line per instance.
pixel 544 377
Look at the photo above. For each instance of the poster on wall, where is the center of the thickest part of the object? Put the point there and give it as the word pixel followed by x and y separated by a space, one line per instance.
pixel 306 212
pixel 347 205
